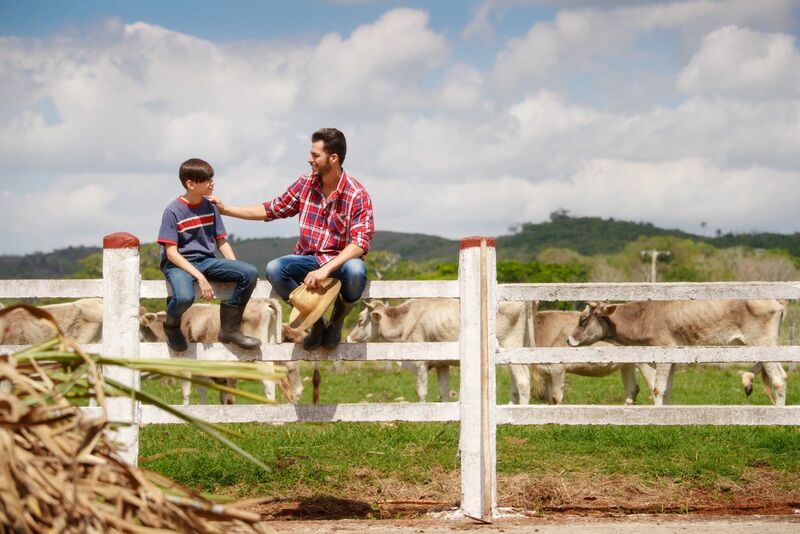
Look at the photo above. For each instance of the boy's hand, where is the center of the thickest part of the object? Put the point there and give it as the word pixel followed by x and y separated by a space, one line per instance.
pixel 205 288
pixel 216 201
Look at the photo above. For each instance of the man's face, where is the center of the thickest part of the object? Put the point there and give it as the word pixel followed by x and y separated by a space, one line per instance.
pixel 321 163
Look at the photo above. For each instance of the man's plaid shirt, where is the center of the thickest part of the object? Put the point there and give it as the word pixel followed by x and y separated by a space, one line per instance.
pixel 326 226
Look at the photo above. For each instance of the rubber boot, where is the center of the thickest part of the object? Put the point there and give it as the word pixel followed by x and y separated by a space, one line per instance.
pixel 314 338
pixel 333 332
pixel 230 327
pixel 175 338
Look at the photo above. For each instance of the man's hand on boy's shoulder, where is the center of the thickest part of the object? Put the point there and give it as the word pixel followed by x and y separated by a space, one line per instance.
pixel 216 201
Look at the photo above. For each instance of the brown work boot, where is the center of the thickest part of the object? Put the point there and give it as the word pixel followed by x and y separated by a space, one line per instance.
pixel 175 338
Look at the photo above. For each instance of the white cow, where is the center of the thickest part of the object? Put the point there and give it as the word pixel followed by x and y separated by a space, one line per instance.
pixel 81 319
pixel 691 322
pixel 427 320
pixel 551 329
pixel 201 324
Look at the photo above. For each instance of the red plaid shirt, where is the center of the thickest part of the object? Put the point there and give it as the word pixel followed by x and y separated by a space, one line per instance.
pixel 326 226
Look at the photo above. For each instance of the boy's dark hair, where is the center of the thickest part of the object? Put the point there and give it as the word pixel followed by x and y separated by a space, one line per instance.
pixel 332 140
pixel 196 170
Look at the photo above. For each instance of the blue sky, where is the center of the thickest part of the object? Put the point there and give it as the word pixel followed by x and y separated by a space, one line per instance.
pixel 463 117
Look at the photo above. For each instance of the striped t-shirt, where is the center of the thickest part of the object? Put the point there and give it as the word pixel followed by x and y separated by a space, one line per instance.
pixel 194 228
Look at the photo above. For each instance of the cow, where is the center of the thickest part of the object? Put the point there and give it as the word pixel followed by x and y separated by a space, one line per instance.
pixel 682 323
pixel 427 320
pixel 551 329
pixel 81 319
pixel 200 324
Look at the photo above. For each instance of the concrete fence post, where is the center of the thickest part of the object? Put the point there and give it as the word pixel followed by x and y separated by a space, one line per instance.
pixel 478 345
pixel 121 286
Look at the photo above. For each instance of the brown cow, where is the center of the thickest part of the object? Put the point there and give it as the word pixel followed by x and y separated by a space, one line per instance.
pixel 81 319
pixel 200 324
pixel 551 329
pixel 423 320
pixel 690 322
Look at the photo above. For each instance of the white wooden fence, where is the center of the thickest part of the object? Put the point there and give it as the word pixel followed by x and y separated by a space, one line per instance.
pixel 478 293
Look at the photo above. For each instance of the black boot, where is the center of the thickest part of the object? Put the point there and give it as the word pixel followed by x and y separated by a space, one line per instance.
pixel 175 339
pixel 333 332
pixel 314 338
pixel 230 327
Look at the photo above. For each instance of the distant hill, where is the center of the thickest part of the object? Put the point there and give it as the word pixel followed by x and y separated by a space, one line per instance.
pixel 56 264
pixel 586 235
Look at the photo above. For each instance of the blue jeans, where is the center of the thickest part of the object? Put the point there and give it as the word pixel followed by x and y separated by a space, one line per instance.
pixel 214 269
pixel 288 272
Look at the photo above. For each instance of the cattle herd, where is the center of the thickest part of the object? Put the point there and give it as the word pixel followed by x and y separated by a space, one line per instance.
pixel 518 324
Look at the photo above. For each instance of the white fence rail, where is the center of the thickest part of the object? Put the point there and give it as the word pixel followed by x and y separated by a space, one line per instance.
pixel 477 412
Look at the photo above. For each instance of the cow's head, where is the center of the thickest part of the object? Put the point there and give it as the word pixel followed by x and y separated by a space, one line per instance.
pixel 367 327
pixel 593 324
pixel 151 326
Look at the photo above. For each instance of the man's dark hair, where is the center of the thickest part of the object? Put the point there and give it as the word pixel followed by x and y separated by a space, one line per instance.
pixel 196 170
pixel 332 140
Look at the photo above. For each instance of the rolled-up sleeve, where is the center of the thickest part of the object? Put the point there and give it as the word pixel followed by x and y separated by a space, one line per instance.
pixel 362 226
pixel 286 204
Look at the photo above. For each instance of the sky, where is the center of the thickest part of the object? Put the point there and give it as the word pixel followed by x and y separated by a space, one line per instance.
pixel 463 117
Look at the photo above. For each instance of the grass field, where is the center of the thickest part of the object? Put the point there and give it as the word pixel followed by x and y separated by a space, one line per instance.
pixel 544 467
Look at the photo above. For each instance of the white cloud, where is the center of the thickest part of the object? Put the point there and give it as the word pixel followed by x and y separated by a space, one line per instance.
pixel 741 62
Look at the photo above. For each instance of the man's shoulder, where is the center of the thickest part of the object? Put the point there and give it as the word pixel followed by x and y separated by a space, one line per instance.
pixel 354 187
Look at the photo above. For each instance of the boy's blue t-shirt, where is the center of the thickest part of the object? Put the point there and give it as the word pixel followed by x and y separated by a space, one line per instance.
pixel 194 228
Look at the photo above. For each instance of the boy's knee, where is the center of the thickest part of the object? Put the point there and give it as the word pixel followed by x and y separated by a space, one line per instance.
pixel 249 273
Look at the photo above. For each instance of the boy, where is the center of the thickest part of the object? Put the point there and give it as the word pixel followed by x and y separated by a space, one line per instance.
pixel 190 228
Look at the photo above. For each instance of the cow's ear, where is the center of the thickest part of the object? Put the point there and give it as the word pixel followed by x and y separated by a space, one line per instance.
pixel 148 318
pixel 370 304
pixel 376 316
pixel 608 309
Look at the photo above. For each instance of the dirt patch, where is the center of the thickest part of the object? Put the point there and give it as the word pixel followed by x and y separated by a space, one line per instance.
pixel 757 492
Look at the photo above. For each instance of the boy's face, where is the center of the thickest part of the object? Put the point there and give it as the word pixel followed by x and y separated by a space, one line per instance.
pixel 200 188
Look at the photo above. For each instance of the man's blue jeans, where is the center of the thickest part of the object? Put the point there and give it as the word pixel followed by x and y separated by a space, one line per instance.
pixel 288 272
pixel 214 269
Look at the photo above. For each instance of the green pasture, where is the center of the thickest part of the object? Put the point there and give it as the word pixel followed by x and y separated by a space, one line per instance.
pixel 329 458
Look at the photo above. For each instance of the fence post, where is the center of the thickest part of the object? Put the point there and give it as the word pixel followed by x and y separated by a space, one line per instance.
pixel 121 285
pixel 478 344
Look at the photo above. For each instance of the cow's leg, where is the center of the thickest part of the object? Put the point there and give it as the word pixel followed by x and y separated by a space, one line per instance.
pixel 186 391
pixel 648 371
pixel 422 380
pixel 557 379
pixel 295 380
pixel 661 382
pixel 775 381
pixel 202 394
pixel 520 384
pixel 629 383
pixel 443 376
pixel 269 386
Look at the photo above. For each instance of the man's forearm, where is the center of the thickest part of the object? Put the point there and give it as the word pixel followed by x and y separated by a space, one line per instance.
pixel 256 212
pixel 349 252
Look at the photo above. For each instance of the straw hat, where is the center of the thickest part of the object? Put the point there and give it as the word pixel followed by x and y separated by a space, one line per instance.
pixel 308 304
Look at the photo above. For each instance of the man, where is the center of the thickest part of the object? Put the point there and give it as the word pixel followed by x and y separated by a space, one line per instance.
pixel 336 227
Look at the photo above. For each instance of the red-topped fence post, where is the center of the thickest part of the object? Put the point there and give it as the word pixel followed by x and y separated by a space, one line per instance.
pixel 121 285
pixel 477 277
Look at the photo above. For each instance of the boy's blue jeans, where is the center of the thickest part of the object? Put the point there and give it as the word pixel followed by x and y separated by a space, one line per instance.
pixel 288 272
pixel 219 270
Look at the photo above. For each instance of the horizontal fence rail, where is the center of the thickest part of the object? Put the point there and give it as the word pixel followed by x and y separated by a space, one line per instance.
pixel 650 291
pixel 309 413
pixel 575 414
pixel 683 355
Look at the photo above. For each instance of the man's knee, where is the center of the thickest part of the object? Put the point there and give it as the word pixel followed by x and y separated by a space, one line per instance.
pixel 274 271
pixel 354 279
